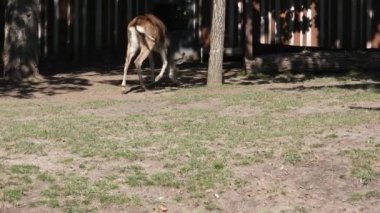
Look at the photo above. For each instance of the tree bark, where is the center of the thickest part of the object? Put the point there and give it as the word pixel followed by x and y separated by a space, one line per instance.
pixel 215 67
pixel 21 42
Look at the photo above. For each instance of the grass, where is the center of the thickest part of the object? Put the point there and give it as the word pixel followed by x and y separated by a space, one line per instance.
pixel 292 156
pixel 363 162
pixel 16 180
pixel 255 157
pixel 78 193
pixel 13 194
pixel 184 150
pixel 24 169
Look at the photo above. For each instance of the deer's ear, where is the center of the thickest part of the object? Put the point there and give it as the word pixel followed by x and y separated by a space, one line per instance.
pixel 181 59
pixel 29 15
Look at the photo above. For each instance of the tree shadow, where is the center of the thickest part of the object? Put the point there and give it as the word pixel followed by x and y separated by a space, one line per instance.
pixel 195 75
pixel 189 75
pixel 67 78
pixel 307 65
pixel 365 108
pixel 352 86
pixel 50 86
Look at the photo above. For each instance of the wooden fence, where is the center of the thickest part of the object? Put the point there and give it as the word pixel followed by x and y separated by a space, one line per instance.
pixel 76 29
pixel 79 29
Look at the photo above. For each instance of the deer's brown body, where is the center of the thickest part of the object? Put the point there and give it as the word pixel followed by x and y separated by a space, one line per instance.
pixel 147 33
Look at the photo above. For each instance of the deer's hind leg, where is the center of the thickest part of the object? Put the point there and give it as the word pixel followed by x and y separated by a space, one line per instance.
pixel 133 47
pixel 164 58
pixel 144 53
pixel 151 64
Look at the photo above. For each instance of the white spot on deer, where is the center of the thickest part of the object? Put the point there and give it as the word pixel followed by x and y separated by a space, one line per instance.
pixel 133 40
pixel 141 30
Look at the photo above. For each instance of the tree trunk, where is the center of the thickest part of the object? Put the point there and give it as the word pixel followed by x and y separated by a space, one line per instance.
pixel 2 5
pixel 215 67
pixel 21 42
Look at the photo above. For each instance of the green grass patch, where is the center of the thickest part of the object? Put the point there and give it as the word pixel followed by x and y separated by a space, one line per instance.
pixel 24 169
pixel 141 178
pixel 79 193
pixel 99 104
pixel 14 194
pixel 317 145
pixel 362 162
pixel 16 180
pixel 201 174
pixel 255 157
pixel 362 196
pixel 46 177
pixel 292 156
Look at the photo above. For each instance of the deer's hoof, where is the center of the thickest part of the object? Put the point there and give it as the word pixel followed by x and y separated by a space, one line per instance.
pixel 124 90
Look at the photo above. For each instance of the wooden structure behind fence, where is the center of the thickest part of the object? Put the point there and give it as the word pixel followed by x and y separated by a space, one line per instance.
pixel 327 24
pixel 275 25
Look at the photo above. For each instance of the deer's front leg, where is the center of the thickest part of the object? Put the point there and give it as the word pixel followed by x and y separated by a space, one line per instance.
pixel 173 74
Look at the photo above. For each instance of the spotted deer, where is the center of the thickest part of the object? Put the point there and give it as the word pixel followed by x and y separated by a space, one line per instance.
pixel 147 33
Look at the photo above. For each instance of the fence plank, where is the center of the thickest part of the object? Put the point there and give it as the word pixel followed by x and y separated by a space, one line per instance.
pixel 116 24
pixel 322 18
pixel 69 27
pixel 76 29
pixel 56 26
pixel 339 40
pixel 329 24
pixel 262 22
pixel 278 30
pixel 290 22
pixel 354 22
pixel 361 25
pixel 369 13
pixel 84 27
pixel 98 24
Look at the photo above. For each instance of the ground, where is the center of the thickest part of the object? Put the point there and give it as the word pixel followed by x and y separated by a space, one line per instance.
pixel 283 143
